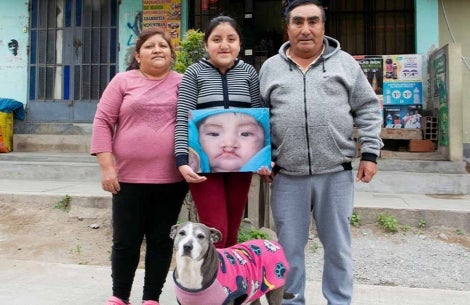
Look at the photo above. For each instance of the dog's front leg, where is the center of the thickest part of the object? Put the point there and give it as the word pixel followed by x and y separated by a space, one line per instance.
pixel 274 297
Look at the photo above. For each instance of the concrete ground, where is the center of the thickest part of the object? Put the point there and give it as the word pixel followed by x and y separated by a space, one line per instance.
pixel 39 283
pixel 29 282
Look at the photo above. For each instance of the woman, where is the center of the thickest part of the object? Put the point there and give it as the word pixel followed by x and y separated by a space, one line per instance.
pixel 133 142
pixel 218 81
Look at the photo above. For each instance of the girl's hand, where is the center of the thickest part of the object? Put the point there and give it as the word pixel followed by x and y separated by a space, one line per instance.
pixel 189 175
pixel 265 174
pixel 263 171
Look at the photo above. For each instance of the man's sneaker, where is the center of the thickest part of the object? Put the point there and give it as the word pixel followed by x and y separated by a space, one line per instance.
pixel 116 301
pixel 150 303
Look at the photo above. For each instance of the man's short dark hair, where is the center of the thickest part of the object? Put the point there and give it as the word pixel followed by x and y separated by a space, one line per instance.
pixel 297 3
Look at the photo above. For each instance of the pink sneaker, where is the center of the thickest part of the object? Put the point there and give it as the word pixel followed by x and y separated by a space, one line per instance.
pixel 150 303
pixel 116 301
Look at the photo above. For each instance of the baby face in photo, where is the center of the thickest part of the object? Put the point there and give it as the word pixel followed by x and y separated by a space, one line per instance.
pixel 230 140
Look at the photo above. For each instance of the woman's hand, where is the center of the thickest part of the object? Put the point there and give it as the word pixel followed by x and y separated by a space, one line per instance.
pixel 189 175
pixel 109 180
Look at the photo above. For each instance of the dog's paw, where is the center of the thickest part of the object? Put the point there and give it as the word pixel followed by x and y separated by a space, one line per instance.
pixel 288 295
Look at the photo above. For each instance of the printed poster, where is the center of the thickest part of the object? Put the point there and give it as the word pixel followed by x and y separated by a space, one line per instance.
pixel 403 79
pixel 402 116
pixel 397 81
pixel 403 68
pixel 403 93
pixel 372 66
pixel 164 14
pixel 229 140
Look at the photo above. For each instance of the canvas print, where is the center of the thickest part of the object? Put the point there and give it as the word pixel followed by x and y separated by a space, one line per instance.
pixel 229 140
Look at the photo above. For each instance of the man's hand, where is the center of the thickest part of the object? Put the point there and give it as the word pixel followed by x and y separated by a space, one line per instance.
pixel 366 171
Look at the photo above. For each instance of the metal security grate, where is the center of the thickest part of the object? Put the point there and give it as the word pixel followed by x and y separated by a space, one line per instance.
pixel 372 26
pixel 73 55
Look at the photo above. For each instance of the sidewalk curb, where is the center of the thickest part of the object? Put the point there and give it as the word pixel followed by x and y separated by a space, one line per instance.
pixel 408 209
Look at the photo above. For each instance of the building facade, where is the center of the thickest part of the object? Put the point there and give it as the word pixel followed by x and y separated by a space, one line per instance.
pixel 56 56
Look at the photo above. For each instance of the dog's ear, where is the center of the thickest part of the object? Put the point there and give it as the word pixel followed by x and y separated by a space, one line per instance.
pixel 173 230
pixel 215 235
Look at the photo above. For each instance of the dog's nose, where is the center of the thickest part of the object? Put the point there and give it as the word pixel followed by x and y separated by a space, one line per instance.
pixel 187 247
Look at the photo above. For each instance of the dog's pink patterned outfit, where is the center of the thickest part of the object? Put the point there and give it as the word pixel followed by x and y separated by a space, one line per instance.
pixel 246 272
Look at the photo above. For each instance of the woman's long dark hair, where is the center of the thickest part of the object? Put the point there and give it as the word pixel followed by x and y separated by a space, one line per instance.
pixel 144 35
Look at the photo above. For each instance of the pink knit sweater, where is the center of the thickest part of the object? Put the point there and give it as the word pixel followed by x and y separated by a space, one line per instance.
pixel 135 120
pixel 246 272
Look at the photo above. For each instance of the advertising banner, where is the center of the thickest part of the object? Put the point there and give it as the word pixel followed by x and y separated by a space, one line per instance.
pixel 397 81
pixel 372 66
pixel 163 14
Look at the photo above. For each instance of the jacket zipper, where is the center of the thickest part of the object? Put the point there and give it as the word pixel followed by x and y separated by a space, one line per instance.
pixel 225 90
pixel 306 124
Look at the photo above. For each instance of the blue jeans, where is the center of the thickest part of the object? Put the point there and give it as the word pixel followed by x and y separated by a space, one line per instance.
pixel 330 198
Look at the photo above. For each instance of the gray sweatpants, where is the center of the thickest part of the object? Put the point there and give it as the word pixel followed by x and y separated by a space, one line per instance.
pixel 330 198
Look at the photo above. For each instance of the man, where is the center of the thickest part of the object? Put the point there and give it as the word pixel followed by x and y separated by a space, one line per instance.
pixel 316 94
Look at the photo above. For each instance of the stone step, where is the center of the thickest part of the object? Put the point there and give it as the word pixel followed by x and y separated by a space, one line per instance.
pixel 419 177
pixel 49 166
pixel 51 143
pixel 417 183
pixel 394 176
pixel 52 137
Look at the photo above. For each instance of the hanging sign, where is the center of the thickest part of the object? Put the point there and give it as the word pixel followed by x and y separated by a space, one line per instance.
pixel 163 14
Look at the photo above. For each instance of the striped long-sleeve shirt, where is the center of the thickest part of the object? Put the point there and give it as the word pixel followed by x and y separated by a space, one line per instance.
pixel 203 86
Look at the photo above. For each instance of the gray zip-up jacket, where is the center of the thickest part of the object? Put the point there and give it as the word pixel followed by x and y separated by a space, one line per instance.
pixel 313 114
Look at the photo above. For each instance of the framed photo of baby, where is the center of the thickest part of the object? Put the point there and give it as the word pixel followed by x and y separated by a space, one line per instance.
pixel 229 140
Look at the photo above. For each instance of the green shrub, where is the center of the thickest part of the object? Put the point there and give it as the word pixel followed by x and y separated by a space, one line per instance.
pixel 190 51
pixel 64 204
pixel 422 224
pixel 388 223
pixel 355 219
pixel 249 234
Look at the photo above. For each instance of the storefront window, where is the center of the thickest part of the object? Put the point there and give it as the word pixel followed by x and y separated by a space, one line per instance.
pixel 372 27
pixel 362 27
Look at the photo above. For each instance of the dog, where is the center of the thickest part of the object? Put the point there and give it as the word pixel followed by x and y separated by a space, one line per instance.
pixel 231 276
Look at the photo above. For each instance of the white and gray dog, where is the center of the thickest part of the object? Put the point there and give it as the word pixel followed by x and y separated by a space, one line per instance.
pixel 240 274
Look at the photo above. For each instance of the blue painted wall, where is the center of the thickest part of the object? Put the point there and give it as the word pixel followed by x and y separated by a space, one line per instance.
pixel 129 28
pixel 427 26
pixel 14 22
pixel 427 34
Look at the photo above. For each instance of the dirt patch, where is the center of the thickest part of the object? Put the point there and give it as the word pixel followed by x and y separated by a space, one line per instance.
pixel 428 257
pixel 46 233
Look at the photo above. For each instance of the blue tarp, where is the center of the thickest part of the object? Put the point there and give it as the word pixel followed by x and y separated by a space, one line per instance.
pixel 10 105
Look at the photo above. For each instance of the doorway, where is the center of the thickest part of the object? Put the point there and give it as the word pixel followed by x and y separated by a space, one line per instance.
pixel 264 34
pixel 261 23
pixel 73 55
